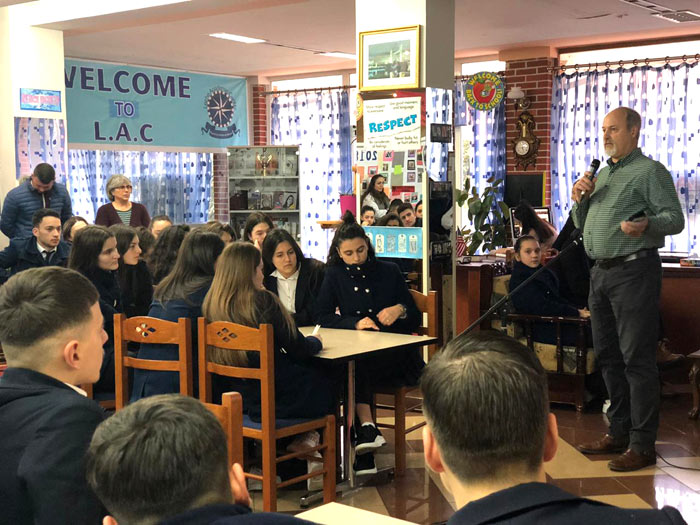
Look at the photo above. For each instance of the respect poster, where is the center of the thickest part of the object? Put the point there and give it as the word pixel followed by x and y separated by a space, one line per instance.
pixel 392 124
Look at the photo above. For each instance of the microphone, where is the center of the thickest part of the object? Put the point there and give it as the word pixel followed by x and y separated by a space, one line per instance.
pixel 593 168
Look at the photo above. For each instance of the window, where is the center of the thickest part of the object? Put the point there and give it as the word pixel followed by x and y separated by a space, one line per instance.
pixel 308 83
pixel 495 66
pixel 630 53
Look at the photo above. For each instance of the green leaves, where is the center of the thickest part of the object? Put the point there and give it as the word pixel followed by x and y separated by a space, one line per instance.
pixel 487 214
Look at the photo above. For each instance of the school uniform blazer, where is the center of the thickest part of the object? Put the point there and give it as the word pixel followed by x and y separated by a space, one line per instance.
pixel 152 382
pixel 364 291
pixel 46 429
pixel 136 287
pixel 107 215
pixel 535 503
pixel 308 286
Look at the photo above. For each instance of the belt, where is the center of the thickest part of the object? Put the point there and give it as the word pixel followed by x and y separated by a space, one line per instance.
pixel 616 261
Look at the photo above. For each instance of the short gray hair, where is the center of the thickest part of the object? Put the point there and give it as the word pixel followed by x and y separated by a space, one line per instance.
pixel 114 182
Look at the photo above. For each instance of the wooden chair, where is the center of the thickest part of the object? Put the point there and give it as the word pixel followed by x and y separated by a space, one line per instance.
pixel 107 404
pixel 230 415
pixel 232 336
pixel 150 330
pixel 427 304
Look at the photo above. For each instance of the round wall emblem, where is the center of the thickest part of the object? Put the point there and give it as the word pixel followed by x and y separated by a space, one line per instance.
pixel 484 91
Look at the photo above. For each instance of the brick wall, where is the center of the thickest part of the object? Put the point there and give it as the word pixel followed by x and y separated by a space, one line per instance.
pixel 532 76
pixel 259 116
pixel 220 188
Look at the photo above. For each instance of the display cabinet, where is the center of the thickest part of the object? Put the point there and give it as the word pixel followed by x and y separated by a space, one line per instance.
pixel 266 179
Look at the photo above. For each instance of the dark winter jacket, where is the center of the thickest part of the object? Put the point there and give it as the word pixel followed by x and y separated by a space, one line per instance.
pixel 21 203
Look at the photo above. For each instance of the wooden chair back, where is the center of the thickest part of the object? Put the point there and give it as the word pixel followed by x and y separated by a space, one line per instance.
pixel 150 330
pixel 427 304
pixel 230 415
pixel 232 336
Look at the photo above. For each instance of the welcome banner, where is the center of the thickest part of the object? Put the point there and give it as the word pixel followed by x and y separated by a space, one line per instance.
pixel 117 104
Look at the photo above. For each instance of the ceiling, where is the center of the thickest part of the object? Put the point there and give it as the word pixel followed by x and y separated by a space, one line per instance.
pixel 176 36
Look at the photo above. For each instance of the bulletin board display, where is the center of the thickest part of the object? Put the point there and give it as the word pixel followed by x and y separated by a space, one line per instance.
pixel 389 241
pixel 403 170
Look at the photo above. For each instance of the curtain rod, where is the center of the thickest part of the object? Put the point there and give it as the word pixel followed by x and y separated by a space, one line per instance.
pixel 464 77
pixel 307 90
pixel 646 61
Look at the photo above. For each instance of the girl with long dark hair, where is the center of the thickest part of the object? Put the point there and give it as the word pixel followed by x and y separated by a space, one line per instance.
pixel 135 282
pixel 375 197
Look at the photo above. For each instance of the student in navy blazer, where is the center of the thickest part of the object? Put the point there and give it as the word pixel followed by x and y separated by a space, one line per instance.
pixel 52 346
pixel 180 294
pixel 361 292
pixel 292 277
pixel 489 432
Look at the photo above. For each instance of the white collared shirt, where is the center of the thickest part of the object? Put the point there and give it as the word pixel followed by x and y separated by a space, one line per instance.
pixel 43 250
pixel 287 289
pixel 77 389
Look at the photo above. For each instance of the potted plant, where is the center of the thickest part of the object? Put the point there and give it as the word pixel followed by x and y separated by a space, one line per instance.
pixel 487 215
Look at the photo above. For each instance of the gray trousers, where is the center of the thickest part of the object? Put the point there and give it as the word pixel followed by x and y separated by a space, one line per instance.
pixel 624 304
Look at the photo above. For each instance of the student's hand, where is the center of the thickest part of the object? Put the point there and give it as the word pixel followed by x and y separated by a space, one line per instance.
pixel 364 223
pixel 257 245
pixel 634 228
pixel 390 314
pixel 238 486
pixel 366 324
pixel 584 184
pixel 584 312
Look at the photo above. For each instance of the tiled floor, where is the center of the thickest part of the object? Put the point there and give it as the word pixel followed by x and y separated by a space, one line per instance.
pixel 419 497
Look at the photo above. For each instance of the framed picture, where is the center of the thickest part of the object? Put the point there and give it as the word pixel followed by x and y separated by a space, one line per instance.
pixel 390 59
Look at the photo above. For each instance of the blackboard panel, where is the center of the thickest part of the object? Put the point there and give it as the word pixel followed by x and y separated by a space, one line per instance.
pixel 529 187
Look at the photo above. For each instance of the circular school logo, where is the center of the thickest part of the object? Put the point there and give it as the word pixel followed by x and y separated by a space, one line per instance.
pixel 484 91
pixel 220 106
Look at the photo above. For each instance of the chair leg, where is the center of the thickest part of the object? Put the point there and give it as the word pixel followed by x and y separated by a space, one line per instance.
pixel 329 461
pixel 400 432
pixel 269 469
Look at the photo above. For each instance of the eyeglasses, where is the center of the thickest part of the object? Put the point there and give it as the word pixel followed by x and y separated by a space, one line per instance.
pixel 123 188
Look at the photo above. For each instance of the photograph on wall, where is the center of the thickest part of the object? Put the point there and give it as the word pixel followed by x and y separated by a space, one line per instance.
pixel 390 59
pixel 411 164
pixel 410 176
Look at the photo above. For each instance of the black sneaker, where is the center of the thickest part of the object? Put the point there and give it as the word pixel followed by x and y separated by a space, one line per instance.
pixel 368 439
pixel 364 465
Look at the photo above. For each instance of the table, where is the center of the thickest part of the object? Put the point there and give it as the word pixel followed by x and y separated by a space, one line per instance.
pixel 339 514
pixel 345 346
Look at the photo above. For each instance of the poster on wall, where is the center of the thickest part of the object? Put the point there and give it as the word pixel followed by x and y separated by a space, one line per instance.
pixel 392 124
pixel 117 104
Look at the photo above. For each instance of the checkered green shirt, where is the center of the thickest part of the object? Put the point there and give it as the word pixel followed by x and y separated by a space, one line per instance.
pixel 624 188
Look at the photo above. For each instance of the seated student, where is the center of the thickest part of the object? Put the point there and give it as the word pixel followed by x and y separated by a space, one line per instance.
pixel 73 226
pixel 541 296
pixel 52 336
pixel 489 432
pixel 302 388
pixel 369 294
pixel 256 227
pixel 390 219
pixel 135 282
pixel 374 196
pixel 224 231
pixel 95 255
pixel 43 248
pixel 146 242
pixel 408 216
pixel 367 216
pixel 532 225
pixel 295 279
pixel 179 294
pixel 159 223
pixel 165 251
pixel 394 206
pixel 419 210
pixel 164 460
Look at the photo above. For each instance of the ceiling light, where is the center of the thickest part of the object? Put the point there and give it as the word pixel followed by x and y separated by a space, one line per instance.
pixel 238 38
pixel 338 54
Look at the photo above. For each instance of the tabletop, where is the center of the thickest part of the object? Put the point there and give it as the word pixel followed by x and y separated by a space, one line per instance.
pixel 346 345
pixel 338 514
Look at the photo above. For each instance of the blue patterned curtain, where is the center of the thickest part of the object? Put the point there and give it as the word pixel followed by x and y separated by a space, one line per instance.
pixel 667 98
pixel 40 140
pixel 174 184
pixel 483 139
pixel 319 123
pixel 438 109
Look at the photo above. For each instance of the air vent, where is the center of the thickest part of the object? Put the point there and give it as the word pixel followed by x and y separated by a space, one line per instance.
pixel 679 16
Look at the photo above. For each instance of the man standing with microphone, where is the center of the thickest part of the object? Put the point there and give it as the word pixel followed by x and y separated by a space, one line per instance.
pixel 624 214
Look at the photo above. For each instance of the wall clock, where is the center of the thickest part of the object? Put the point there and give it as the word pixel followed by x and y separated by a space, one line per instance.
pixel 526 144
